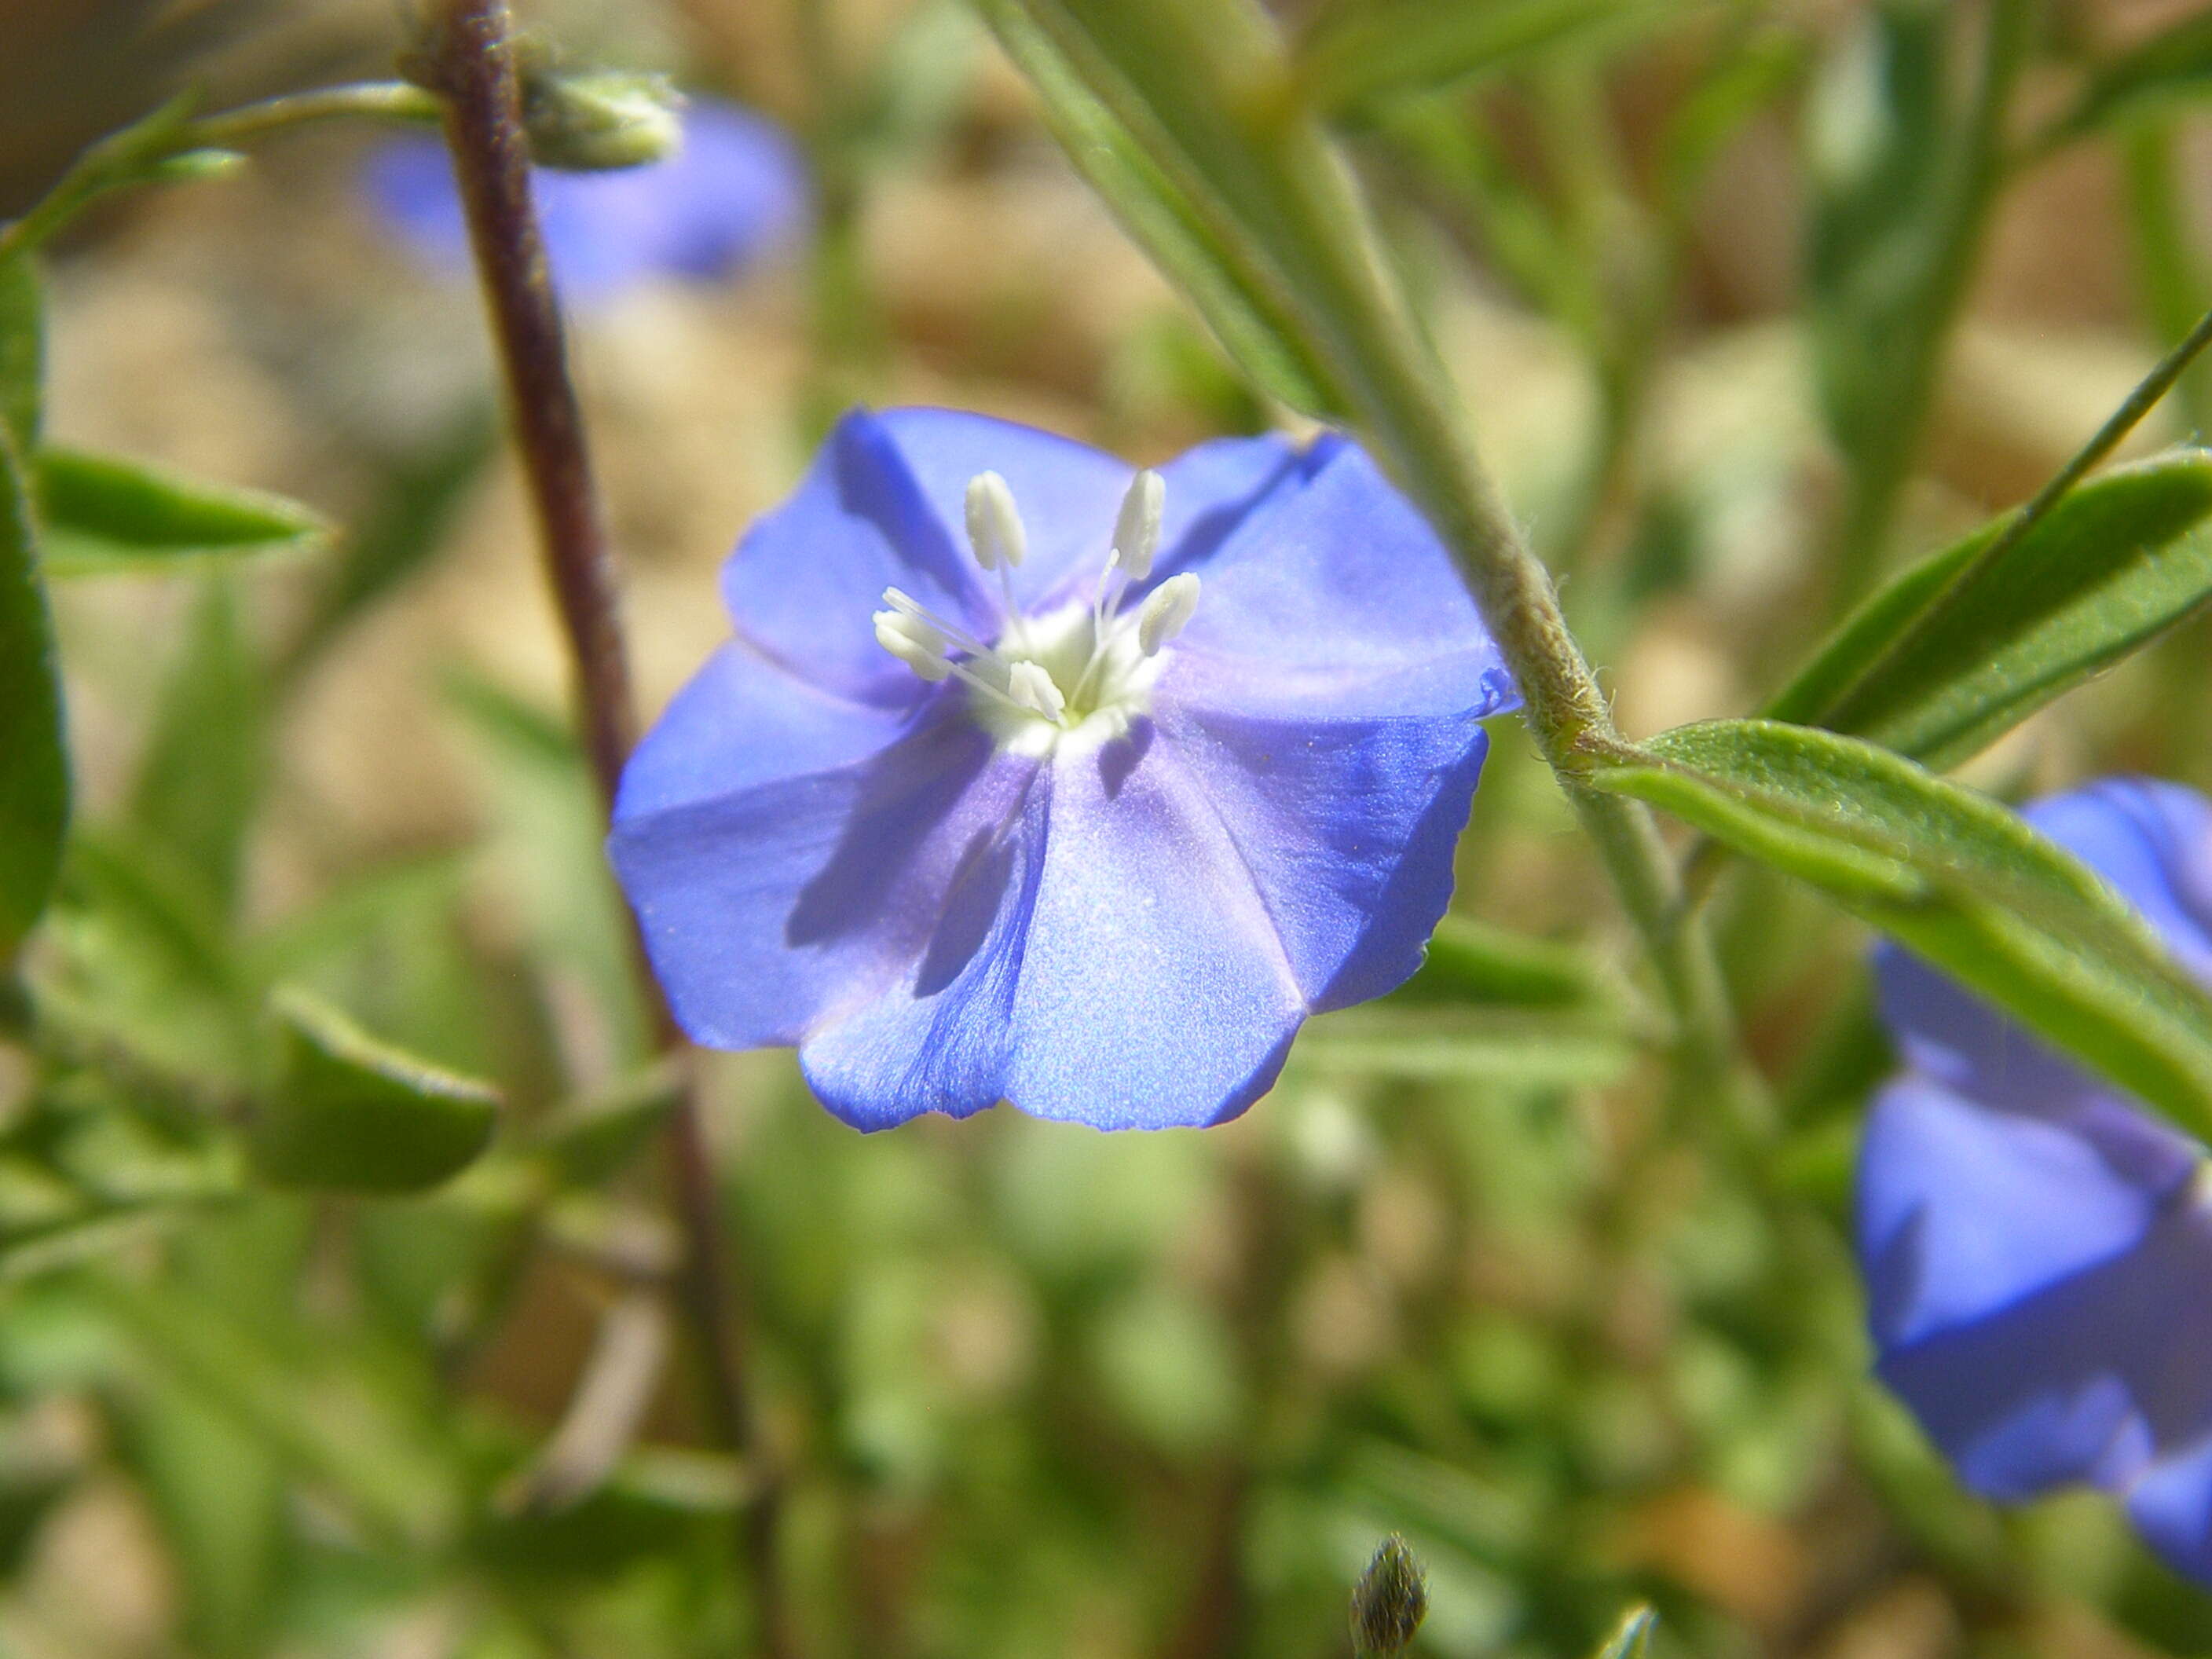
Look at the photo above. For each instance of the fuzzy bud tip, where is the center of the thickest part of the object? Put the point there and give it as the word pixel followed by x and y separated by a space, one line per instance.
pixel 1390 1599
pixel 594 123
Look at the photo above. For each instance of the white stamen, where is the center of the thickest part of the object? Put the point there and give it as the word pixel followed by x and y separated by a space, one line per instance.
pixel 1031 687
pixel 914 642
pixel 1137 529
pixel 906 605
pixel 994 527
pixel 1166 609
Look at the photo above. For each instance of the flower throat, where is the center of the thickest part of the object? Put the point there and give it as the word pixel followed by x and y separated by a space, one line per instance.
pixel 1077 667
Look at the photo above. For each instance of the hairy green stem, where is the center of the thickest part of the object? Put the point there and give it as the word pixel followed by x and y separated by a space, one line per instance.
pixel 471 54
pixel 388 100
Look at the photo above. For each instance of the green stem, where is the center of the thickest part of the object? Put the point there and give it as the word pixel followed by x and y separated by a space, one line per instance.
pixel 389 100
pixel 135 154
pixel 1977 172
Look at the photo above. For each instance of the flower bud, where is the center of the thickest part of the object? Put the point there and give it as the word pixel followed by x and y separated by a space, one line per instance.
pixel 1390 1599
pixel 594 122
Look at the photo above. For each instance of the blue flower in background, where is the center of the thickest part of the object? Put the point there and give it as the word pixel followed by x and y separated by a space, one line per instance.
pixel 735 189
pixel 2037 1250
pixel 1030 777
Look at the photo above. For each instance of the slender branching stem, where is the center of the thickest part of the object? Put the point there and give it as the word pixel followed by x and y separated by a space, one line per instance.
pixel 472 57
pixel 137 153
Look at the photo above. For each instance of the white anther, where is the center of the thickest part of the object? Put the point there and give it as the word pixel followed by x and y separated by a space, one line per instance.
pixel 994 527
pixel 914 642
pixel 1137 529
pixel 1028 686
pixel 1167 608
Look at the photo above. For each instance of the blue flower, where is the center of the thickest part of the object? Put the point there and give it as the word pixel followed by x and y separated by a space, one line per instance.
pixel 1030 777
pixel 734 190
pixel 2037 1250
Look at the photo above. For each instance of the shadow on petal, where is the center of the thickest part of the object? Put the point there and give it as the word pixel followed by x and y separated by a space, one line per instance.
pixel 2094 1377
pixel 904 795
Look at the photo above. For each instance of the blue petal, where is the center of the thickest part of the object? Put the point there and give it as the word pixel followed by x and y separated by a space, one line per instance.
pixel 2170 1504
pixel 743 720
pixel 2153 840
pixel 771 907
pixel 1346 827
pixel 1964 1211
pixel 2097 1377
pixel 807 578
pixel 1109 963
pixel 735 189
pixel 884 506
pixel 1155 992
pixel 1334 596
pixel 1069 494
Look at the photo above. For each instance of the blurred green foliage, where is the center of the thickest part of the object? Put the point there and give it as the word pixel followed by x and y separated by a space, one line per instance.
pixel 339 1288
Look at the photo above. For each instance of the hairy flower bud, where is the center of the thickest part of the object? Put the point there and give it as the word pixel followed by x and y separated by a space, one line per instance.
pixel 596 122
pixel 1390 1599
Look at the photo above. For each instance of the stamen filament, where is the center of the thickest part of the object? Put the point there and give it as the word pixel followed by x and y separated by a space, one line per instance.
pixel 906 601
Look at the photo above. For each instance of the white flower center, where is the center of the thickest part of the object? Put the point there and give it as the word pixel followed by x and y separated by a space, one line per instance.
pixel 1085 668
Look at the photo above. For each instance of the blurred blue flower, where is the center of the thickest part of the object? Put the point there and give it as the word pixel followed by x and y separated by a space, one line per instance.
pixel 2037 1250
pixel 734 190
pixel 1030 777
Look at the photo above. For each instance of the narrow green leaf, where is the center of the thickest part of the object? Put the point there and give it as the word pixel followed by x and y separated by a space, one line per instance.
pixel 1880 166
pixel 22 349
pixel 1472 962
pixel 1954 876
pixel 1237 301
pixel 348 1441
pixel 548 832
pixel 1750 77
pixel 418 500
pixel 34 776
pixel 2168 67
pixel 2113 565
pixel 104 513
pixel 202 773
pixel 591 1139
pixel 350 1114
pixel 219 1496
pixel 1357 52
pixel 1496 1047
